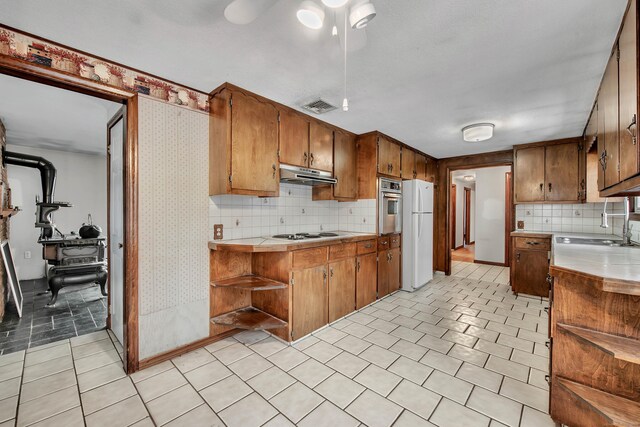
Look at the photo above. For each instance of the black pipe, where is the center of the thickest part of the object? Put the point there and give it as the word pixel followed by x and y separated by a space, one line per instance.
pixel 46 168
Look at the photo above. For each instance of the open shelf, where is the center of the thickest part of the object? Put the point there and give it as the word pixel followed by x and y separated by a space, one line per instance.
pixel 621 348
pixel 617 410
pixel 251 282
pixel 249 318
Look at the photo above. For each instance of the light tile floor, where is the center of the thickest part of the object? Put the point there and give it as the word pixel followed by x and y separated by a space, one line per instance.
pixel 459 352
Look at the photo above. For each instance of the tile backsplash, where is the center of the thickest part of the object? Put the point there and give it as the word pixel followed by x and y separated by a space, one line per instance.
pixel 578 218
pixel 292 212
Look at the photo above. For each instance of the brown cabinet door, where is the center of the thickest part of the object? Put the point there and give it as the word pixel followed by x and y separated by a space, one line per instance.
pixel 608 101
pixel 345 167
pixel 309 301
pixel 408 170
pixel 562 164
pixel 254 145
pixel 320 146
pixel 394 271
pixel 366 280
pixel 342 288
pixel 628 70
pixel 421 167
pixel 530 273
pixel 431 171
pixel 529 174
pixel 384 267
pixel 294 138
pixel 388 157
pixel 600 145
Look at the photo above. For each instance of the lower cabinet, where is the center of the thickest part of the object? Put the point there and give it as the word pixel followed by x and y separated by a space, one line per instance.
pixel 530 265
pixel 366 279
pixel 388 271
pixel 309 300
pixel 342 288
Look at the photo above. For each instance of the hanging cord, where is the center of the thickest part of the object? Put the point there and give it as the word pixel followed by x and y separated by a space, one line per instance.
pixel 345 101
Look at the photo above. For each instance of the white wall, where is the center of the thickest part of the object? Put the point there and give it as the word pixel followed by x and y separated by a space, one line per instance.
pixel 81 180
pixel 460 185
pixel 490 210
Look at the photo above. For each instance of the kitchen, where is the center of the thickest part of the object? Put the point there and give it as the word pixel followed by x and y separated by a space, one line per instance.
pixel 306 275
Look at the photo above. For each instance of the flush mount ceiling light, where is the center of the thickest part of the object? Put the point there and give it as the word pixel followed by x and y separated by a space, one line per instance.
pixel 334 3
pixel 361 14
pixel 468 177
pixel 310 15
pixel 477 132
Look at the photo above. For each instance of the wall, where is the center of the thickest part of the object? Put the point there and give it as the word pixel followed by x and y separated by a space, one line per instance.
pixel 173 228
pixel 292 212
pixel 490 214
pixel 460 184
pixel 567 218
pixel 81 180
pixel 4 223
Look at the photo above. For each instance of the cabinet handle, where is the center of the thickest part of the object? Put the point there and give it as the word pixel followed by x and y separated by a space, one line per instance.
pixel 311 158
pixel 550 187
pixel 633 134
pixel 384 242
pixel 306 156
pixel 358 266
pixel 518 257
pixel 549 279
pixel 324 275
pixel 533 243
pixel 603 160
pixel 541 186
pixel 331 272
pixel 273 166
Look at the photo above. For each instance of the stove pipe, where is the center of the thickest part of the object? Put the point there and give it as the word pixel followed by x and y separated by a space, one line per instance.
pixel 46 168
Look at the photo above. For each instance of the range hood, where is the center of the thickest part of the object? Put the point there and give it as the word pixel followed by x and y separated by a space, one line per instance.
pixel 303 176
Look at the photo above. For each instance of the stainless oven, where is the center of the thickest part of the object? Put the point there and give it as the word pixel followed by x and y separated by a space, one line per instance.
pixel 390 206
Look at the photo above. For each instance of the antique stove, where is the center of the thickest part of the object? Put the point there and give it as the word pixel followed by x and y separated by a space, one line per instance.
pixel 74 259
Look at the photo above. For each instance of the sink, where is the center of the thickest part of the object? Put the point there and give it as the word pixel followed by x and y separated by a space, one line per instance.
pixel 592 242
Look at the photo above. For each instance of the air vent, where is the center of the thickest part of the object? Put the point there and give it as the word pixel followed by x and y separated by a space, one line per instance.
pixel 319 107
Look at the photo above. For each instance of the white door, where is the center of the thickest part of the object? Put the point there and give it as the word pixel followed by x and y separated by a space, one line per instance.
pixel 116 134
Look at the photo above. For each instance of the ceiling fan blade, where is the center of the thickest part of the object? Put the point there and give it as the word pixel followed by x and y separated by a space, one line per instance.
pixel 356 39
pixel 243 12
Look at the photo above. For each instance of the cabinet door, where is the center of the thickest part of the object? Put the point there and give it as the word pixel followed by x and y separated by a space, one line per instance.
pixel 309 301
pixel 345 168
pixel 254 145
pixel 628 95
pixel 608 101
pixel 294 138
pixel 421 167
pixel 530 273
pixel 394 270
pixel 366 283
pixel 562 181
pixel 408 170
pixel 388 157
pixel 529 174
pixel 384 266
pixel 320 147
pixel 431 171
pixel 342 288
pixel 600 145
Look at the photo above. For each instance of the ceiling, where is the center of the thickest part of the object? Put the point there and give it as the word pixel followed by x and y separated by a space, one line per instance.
pixel 41 116
pixel 429 67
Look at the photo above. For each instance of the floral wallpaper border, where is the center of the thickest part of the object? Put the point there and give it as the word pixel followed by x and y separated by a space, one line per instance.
pixel 50 55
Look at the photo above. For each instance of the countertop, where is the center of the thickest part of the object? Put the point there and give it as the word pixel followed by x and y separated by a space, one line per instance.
pixel 269 244
pixel 611 264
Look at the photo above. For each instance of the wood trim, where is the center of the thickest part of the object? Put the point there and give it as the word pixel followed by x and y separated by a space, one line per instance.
pixel 467 216
pixel 572 140
pixel 509 214
pixel 168 355
pixel 453 212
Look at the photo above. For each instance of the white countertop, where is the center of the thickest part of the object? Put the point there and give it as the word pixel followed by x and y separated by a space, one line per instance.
pixel 270 242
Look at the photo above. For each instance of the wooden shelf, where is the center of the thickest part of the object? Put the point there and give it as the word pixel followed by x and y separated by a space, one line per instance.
pixel 621 348
pixel 249 318
pixel 253 283
pixel 7 213
pixel 616 410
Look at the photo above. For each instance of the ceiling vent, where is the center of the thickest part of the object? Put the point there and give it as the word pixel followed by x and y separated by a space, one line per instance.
pixel 319 107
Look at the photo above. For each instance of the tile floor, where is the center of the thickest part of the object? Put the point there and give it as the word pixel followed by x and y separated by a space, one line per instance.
pixel 459 352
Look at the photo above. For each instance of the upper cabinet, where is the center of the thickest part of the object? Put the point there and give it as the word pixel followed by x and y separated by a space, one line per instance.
pixel 294 138
pixel 408 168
pixel 609 143
pixel 421 167
pixel 549 172
pixel 431 170
pixel 345 167
pixel 628 92
pixel 320 146
pixel 388 157
pixel 243 147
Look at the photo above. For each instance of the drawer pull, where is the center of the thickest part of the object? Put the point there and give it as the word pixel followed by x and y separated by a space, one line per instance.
pixel 549 279
pixel 533 243
pixel 384 242
pixel 368 246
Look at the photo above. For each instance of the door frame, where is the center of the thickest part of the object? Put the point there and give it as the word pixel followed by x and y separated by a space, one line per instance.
pixel 466 240
pixel 51 77
pixel 508 216
pixel 452 215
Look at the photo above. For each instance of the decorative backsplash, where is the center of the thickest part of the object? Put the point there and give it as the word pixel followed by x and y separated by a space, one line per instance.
pixel 292 212
pixel 578 218
pixel 51 55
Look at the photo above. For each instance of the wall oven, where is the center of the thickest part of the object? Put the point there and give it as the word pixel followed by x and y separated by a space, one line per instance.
pixel 390 206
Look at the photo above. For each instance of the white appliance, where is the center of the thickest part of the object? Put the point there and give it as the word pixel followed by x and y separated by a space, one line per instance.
pixel 417 234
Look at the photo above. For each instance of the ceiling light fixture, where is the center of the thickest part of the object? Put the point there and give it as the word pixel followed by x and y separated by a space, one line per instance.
pixel 310 15
pixel 334 4
pixel 361 14
pixel 477 132
pixel 468 177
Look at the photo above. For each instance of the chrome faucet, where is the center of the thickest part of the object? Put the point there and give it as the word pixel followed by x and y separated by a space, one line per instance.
pixel 626 230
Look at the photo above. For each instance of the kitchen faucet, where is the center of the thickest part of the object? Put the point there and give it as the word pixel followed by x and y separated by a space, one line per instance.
pixel 626 231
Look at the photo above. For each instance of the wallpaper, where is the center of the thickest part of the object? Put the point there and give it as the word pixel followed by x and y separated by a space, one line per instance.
pixel 51 55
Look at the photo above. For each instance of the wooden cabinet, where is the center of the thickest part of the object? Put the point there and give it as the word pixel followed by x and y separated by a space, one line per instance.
pixel 549 172
pixel 320 146
pixel 294 138
pixel 408 168
pixel 431 170
pixel 628 92
pixel 421 167
pixel 608 103
pixel 366 279
pixel 309 300
pixel 530 265
pixel 345 168
pixel 388 157
pixel 342 288
pixel 388 271
pixel 243 144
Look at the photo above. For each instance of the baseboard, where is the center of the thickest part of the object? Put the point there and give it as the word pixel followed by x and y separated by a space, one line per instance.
pixel 499 264
pixel 459 247
pixel 179 351
pixel 471 243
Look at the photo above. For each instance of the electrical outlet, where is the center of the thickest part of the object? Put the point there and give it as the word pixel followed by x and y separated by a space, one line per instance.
pixel 217 232
pixel 520 225
pixel 27 254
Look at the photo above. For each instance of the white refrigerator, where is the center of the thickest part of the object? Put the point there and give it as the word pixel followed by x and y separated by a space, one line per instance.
pixel 417 234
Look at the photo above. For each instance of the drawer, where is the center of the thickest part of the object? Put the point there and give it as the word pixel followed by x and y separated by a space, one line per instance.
pixel 310 257
pixel 394 241
pixel 383 243
pixel 344 250
pixel 366 247
pixel 535 243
